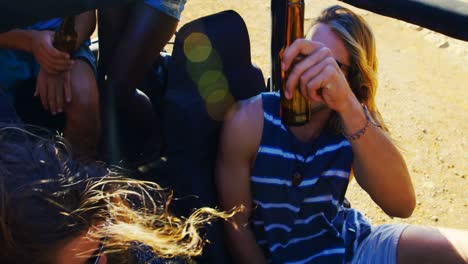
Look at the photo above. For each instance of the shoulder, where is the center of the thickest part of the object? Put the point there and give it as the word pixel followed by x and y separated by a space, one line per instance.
pixel 246 114
pixel 246 111
pixel 243 124
pixel 251 110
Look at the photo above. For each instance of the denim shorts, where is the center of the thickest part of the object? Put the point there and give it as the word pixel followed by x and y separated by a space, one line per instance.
pixel 171 8
pixel 380 246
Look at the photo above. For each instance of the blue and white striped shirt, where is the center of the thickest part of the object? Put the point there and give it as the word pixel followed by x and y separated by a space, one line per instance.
pixel 307 223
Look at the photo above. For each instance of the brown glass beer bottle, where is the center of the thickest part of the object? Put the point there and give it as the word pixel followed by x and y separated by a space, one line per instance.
pixel 294 111
pixel 66 36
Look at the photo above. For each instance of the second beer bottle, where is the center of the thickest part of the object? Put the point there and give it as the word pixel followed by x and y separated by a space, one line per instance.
pixel 294 111
pixel 66 36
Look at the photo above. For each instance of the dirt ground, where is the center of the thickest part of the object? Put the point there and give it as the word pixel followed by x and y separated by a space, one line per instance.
pixel 422 95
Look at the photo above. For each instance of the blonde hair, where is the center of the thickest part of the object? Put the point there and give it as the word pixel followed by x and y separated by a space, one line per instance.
pixel 359 41
pixel 131 212
pixel 47 198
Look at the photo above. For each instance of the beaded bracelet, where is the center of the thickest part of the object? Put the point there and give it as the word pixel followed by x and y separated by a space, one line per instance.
pixel 361 131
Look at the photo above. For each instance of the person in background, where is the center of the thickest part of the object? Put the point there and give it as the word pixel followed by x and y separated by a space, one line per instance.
pixel 63 84
pixel 292 180
pixel 131 38
pixel 57 210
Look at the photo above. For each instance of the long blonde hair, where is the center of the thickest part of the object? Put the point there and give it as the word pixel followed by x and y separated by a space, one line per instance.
pixel 47 199
pixel 359 41
pixel 135 210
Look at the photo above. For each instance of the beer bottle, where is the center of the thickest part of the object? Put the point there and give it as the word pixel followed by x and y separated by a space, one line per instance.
pixel 294 111
pixel 66 36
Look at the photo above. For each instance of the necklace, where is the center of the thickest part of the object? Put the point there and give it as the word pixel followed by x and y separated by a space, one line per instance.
pixel 297 178
pixel 299 164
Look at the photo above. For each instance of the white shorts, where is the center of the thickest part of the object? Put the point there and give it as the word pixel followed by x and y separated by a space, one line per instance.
pixel 380 246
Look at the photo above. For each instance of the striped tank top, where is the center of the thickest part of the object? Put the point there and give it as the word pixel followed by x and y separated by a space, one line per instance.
pixel 303 223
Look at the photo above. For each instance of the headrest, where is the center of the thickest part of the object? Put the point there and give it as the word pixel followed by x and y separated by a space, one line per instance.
pixel 211 56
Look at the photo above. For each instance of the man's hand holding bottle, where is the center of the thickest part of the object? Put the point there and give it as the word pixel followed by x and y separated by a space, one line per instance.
pixel 317 74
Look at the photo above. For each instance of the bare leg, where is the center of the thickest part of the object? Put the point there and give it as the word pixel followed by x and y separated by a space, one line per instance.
pixel 82 127
pixel 146 33
pixel 432 245
pixel 112 23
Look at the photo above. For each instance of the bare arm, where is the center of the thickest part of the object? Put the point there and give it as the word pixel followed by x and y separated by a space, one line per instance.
pixel 84 26
pixel 20 39
pixel 17 39
pixel 239 142
pixel 378 165
pixel 38 43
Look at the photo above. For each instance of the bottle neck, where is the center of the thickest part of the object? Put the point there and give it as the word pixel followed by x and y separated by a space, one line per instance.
pixel 68 24
pixel 295 21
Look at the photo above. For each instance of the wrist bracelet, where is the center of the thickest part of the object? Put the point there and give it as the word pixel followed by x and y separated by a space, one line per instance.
pixel 361 131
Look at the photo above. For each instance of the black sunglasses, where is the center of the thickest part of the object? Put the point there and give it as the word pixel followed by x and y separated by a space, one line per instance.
pixel 343 66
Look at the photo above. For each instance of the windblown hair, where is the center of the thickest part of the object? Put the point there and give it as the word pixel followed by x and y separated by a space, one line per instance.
pixel 359 41
pixel 47 199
